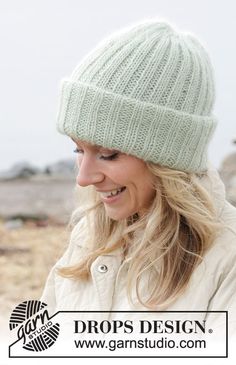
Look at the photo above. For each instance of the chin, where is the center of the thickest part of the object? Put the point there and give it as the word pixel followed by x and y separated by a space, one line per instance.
pixel 116 216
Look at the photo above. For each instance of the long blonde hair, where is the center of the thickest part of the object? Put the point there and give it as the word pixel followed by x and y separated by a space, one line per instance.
pixel 166 243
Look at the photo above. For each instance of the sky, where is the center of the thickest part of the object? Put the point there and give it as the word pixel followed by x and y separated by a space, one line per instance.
pixel 43 40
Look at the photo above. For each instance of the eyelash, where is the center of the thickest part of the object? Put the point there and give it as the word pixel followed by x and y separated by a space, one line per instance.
pixel 114 156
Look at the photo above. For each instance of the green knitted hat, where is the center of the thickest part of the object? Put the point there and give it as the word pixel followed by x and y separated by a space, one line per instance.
pixel 147 91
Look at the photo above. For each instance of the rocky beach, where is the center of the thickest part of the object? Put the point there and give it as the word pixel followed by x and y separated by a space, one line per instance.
pixel 35 208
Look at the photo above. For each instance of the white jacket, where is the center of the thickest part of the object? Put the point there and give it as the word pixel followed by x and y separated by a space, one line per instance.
pixel 212 286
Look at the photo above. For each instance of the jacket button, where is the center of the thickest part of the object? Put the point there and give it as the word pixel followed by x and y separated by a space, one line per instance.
pixel 102 268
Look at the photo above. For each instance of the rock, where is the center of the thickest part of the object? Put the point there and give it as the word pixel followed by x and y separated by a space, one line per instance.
pixel 39 201
pixel 228 174
pixel 228 169
pixel 13 224
pixel 29 217
pixel 19 170
pixel 38 197
pixel 61 168
pixel 33 220
pixel 7 249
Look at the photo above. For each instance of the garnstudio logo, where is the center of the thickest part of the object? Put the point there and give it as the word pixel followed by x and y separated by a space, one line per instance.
pixel 34 326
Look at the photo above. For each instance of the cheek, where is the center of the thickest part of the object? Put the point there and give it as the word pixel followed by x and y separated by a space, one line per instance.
pixel 146 189
pixel 141 192
pixel 147 194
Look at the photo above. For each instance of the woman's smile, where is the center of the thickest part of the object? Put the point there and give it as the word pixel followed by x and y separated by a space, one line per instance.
pixel 123 182
pixel 112 196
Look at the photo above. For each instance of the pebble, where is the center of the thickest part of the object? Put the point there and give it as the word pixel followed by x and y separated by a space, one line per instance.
pixel 13 224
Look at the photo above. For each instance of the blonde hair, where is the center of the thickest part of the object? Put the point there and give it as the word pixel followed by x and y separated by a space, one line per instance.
pixel 166 243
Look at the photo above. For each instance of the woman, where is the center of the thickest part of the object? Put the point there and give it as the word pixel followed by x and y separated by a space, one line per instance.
pixel 154 230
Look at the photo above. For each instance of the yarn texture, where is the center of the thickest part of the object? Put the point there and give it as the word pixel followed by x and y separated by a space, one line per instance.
pixel 147 91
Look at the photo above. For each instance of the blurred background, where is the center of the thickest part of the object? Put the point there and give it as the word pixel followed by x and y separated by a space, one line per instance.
pixel 41 42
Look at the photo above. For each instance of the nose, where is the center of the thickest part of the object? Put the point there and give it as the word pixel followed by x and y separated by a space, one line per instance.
pixel 89 172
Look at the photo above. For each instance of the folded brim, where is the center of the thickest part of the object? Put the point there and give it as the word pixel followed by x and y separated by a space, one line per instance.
pixel 151 132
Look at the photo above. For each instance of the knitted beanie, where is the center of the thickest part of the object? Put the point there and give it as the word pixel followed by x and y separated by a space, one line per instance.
pixel 147 91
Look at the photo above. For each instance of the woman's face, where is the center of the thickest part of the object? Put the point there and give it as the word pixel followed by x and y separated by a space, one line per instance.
pixel 123 182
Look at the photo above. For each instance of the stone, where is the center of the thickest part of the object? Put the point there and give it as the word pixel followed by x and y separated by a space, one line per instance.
pixel 13 224
pixel 63 168
pixel 228 174
pixel 19 170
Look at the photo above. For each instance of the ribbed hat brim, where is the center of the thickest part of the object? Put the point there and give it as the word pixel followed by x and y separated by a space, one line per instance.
pixel 151 132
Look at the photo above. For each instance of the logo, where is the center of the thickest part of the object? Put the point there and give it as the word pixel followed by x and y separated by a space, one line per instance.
pixel 34 326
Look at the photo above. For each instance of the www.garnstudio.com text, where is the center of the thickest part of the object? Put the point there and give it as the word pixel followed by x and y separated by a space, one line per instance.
pixel 146 343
